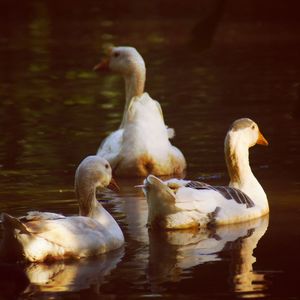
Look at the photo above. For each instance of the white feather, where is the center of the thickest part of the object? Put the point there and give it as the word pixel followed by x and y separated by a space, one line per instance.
pixel 141 146
pixel 41 236
pixel 176 204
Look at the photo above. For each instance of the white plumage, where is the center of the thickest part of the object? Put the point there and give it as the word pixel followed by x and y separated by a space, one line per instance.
pixel 181 204
pixel 141 145
pixel 42 236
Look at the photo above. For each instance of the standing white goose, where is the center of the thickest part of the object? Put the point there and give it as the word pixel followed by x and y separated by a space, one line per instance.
pixel 181 204
pixel 41 236
pixel 141 146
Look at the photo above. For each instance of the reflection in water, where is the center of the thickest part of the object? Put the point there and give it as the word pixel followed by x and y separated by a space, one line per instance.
pixel 13 281
pixel 134 207
pixel 173 252
pixel 244 278
pixel 72 276
pixel 54 111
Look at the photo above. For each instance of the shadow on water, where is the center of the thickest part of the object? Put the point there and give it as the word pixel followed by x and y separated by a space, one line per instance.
pixel 48 279
pixel 173 254
pixel 170 258
pixel 13 281
pixel 73 276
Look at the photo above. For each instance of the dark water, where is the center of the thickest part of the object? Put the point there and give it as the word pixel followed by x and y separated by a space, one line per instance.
pixel 208 63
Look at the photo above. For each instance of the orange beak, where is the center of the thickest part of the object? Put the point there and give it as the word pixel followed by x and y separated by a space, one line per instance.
pixel 113 185
pixel 103 65
pixel 261 140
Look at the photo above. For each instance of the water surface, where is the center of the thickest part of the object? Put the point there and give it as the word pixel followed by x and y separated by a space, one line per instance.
pixel 55 110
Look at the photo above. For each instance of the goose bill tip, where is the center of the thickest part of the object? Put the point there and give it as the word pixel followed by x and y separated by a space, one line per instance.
pixel 113 186
pixel 262 140
pixel 102 66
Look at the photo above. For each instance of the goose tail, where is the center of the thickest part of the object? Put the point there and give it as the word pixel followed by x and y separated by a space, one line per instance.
pixel 160 198
pixel 171 133
pixel 11 223
pixel 10 248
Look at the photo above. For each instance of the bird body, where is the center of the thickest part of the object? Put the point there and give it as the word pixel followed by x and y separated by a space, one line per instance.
pixel 178 204
pixel 141 145
pixel 40 236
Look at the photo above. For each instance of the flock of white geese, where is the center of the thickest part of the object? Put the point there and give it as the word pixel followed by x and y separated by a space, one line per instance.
pixel 141 147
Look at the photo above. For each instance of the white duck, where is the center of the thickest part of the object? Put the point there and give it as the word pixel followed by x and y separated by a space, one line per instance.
pixel 178 204
pixel 141 146
pixel 41 236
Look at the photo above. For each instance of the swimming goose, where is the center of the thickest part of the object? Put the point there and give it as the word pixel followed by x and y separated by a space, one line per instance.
pixel 178 204
pixel 41 236
pixel 141 145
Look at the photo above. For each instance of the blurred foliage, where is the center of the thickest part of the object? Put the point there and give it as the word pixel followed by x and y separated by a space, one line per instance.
pixel 210 60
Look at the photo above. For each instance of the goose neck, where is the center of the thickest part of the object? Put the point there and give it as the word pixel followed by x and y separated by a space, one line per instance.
pixel 237 160
pixel 88 204
pixel 240 173
pixel 91 208
pixel 134 86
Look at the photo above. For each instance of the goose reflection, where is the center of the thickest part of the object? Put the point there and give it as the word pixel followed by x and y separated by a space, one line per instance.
pixel 244 278
pixel 131 203
pixel 173 253
pixel 63 276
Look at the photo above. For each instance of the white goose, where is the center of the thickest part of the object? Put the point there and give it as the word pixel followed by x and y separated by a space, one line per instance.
pixel 141 146
pixel 41 236
pixel 178 204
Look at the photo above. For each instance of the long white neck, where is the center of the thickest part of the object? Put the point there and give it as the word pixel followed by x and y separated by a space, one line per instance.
pixel 134 86
pixel 240 173
pixel 237 160
pixel 90 207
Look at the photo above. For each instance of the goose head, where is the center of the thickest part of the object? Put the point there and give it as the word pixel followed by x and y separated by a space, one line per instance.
pixel 127 62
pixel 96 172
pixel 123 60
pixel 244 132
pixel 92 173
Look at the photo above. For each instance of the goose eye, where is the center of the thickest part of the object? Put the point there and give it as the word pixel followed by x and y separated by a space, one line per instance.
pixel 253 127
pixel 116 54
pixel 106 166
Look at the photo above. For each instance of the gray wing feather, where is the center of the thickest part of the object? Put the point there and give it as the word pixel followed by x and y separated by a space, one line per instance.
pixel 227 192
